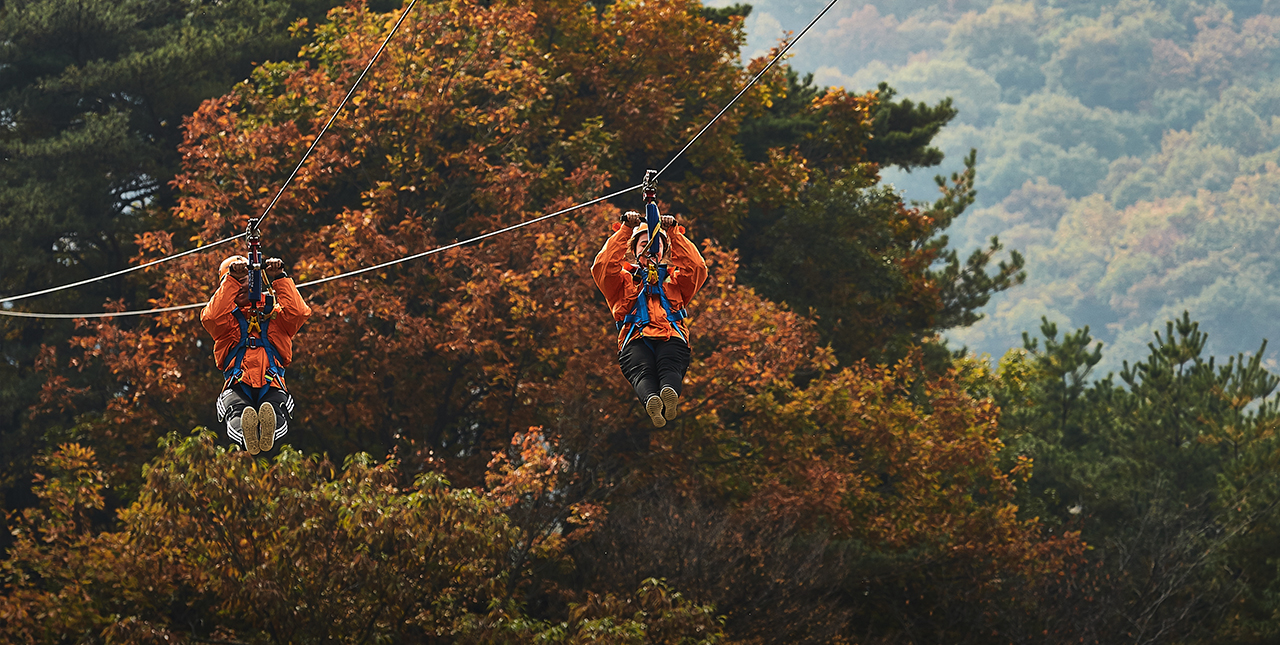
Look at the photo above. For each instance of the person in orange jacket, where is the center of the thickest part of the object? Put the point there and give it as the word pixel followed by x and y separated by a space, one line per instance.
pixel 253 346
pixel 653 338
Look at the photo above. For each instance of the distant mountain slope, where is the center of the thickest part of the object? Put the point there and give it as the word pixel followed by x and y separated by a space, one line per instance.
pixel 1128 149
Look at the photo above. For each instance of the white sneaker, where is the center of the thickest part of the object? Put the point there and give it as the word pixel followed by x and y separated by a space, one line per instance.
pixel 266 427
pixel 249 426
pixel 654 407
pixel 669 402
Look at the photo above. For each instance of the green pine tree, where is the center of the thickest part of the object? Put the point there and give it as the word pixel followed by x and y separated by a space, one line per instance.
pixel 92 98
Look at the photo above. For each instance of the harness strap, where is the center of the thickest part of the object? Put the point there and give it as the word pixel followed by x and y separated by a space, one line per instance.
pixel 639 316
pixel 233 367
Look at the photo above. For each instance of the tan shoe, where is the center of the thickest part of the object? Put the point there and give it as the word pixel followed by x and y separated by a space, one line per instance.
pixel 670 399
pixel 249 426
pixel 654 407
pixel 266 427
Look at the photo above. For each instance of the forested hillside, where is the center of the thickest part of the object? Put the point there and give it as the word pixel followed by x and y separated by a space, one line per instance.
pixel 1125 148
pixel 467 464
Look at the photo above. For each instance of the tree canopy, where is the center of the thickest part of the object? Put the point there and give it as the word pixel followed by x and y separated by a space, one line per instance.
pixel 1127 110
pixel 93 96
pixel 466 464
pixel 491 365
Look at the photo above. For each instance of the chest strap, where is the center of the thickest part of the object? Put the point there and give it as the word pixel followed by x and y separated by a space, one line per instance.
pixel 651 285
pixel 259 324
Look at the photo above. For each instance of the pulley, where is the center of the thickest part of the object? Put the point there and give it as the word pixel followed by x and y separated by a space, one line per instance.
pixel 651 215
pixel 260 300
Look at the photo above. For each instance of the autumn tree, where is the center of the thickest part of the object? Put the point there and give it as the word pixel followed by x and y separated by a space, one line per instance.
pixel 877 274
pixel 840 509
pixel 223 547
pixel 831 239
pixel 460 129
pixel 93 96
pixel 480 115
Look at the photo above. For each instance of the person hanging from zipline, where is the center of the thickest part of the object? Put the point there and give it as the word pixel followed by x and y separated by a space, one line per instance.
pixel 648 299
pixel 253 331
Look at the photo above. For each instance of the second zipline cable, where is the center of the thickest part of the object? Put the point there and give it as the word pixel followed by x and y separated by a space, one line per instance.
pixel 166 258
pixel 265 211
pixel 332 278
pixel 748 86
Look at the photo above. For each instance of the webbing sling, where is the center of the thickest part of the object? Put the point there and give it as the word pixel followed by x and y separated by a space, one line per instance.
pixel 639 316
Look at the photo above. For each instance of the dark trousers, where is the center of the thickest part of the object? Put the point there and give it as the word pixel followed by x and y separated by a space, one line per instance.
pixel 651 365
pixel 233 401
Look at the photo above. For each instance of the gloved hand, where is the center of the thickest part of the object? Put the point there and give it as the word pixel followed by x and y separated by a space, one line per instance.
pixel 668 222
pixel 239 271
pixel 632 219
pixel 274 268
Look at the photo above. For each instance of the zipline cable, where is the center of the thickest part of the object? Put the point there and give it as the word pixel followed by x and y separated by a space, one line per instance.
pixel 166 258
pixel 320 281
pixel 748 86
pixel 141 312
pixel 469 241
pixel 101 314
pixel 334 116
pixel 271 205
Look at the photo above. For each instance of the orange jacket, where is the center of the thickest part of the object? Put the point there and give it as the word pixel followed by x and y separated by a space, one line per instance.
pixel 219 320
pixel 686 273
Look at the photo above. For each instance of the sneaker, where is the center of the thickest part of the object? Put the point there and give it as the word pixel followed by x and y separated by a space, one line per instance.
pixel 266 427
pixel 670 399
pixel 249 426
pixel 654 407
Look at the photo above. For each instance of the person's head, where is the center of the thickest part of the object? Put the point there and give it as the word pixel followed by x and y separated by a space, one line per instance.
pixel 242 294
pixel 640 239
pixel 225 267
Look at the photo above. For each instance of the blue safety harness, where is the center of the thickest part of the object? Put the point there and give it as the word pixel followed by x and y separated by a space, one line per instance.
pixel 234 365
pixel 639 316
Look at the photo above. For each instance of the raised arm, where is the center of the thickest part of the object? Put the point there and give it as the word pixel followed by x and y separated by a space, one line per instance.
pixel 691 268
pixel 293 309
pixel 607 267
pixel 214 316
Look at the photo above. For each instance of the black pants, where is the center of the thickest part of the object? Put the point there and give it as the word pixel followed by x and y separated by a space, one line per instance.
pixel 233 401
pixel 651 365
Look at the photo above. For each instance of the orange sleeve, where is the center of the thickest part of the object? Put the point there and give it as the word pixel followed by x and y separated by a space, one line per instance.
pixel 216 316
pixel 692 268
pixel 293 309
pixel 218 320
pixel 607 267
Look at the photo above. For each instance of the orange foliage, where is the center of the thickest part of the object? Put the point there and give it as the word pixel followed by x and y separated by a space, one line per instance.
pixel 481 115
pixel 227 548
pixel 476 117
pixel 50 573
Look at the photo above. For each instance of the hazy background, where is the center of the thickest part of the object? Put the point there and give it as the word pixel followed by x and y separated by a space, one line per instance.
pixel 1128 150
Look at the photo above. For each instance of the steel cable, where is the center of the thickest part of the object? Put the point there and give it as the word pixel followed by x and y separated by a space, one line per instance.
pixel 441 249
pixel 167 258
pixel 334 116
pixel 469 241
pixel 748 86
pixel 267 210
pixel 348 274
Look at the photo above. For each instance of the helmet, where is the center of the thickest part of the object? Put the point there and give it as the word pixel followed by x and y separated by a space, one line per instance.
pixel 225 267
pixel 644 228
